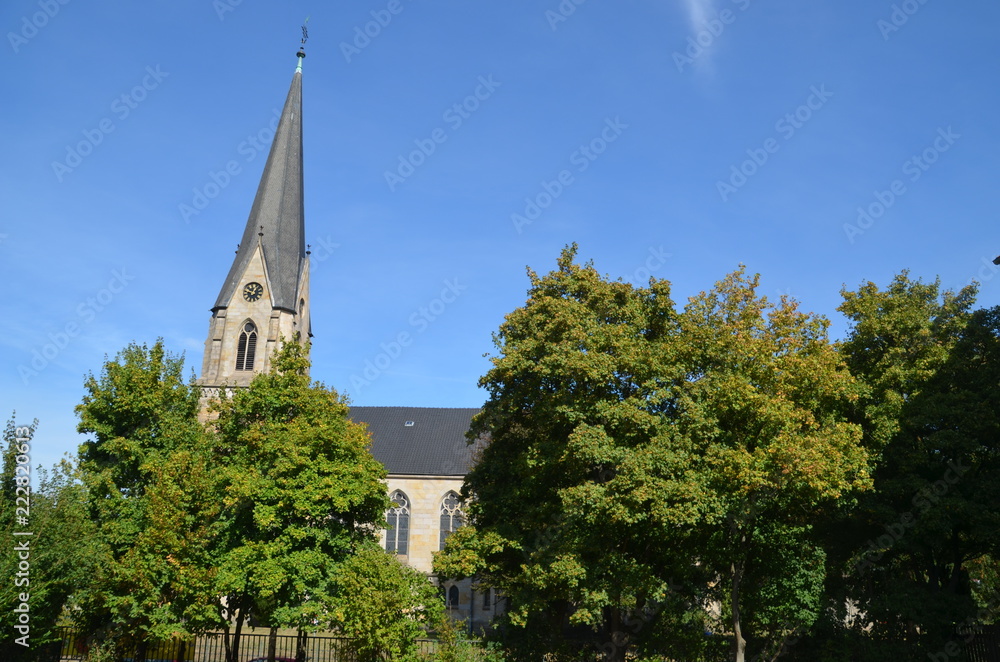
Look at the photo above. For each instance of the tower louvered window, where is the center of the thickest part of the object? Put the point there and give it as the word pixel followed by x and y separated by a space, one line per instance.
pixel 247 348
pixel 397 536
pixel 452 517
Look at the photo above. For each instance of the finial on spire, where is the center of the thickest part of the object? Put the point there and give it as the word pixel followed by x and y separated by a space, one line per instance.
pixel 302 47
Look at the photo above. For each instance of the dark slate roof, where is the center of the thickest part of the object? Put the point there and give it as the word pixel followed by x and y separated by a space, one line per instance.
pixel 278 208
pixel 434 445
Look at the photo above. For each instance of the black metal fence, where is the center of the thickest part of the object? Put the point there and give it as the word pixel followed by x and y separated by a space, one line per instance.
pixel 973 644
pixel 211 647
pixel 981 643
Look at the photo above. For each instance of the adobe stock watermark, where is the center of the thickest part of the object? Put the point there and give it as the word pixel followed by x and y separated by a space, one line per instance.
pixel 786 128
pixel 562 12
pixel 711 29
pixel 460 448
pixel 122 108
pixel 254 144
pixel 223 7
pixel 364 34
pixel 317 256
pixel 898 17
pixel 913 168
pixel 420 320
pixel 581 158
pixel 972 629
pixel 925 499
pixel 454 116
pixel 986 272
pixel 22 533
pixel 86 312
pixel 654 262
pixel 31 25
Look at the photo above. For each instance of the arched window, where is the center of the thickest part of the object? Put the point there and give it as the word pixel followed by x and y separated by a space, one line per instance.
pixel 247 347
pixel 487 599
pixel 397 536
pixel 451 516
pixel 453 597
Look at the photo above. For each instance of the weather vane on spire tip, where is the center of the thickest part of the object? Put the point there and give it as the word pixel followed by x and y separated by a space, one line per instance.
pixel 302 48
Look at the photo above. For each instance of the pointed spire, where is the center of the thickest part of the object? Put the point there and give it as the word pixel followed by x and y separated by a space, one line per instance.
pixel 277 218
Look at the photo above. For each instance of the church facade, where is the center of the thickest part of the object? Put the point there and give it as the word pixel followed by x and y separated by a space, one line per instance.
pixel 265 297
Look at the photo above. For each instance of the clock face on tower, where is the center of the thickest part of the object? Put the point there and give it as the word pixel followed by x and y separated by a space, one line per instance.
pixel 252 291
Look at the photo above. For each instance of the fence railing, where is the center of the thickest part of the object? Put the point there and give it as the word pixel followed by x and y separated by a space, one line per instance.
pixel 978 643
pixel 211 647
pixel 981 642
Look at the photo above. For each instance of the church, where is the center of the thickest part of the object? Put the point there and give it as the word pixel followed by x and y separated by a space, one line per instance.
pixel 265 297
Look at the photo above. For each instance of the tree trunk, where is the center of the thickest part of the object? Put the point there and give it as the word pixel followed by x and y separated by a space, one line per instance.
pixel 226 642
pixel 614 649
pixel 272 644
pixel 240 616
pixel 739 643
pixel 300 645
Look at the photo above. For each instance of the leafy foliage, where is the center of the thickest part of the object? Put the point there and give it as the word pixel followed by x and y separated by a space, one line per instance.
pixel 383 605
pixel 931 367
pixel 452 647
pixel 149 497
pixel 764 409
pixel 196 527
pixel 58 553
pixel 299 491
pixel 668 483
pixel 617 423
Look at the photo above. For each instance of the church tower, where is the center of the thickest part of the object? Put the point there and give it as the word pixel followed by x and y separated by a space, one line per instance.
pixel 265 297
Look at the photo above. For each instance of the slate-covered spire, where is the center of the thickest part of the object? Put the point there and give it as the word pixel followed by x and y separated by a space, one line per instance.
pixel 277 218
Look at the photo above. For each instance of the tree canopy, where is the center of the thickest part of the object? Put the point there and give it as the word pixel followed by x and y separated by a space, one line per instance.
pixel 151 578
pixel 199 526
pixel 383 605
pixel 716 480
pixel 300 491
pixel 642 458
pixel 915 550
pixel 50 552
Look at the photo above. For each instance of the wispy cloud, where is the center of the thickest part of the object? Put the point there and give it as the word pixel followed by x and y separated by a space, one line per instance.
pixel 698 12
pixel 705 25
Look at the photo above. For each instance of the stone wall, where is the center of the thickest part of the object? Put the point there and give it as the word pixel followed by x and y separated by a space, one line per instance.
pixel 425 495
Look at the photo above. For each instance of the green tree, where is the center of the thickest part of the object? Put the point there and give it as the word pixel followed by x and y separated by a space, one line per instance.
pixel 383 605
pixel 931 413
pixel 764 408
pixel 145 471
pixel 640 460
pixel 299 491
pixel 571 396
pixel 171 567
pixel 58 553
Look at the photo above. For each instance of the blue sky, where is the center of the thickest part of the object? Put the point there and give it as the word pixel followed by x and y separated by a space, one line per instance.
pixel 820 143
